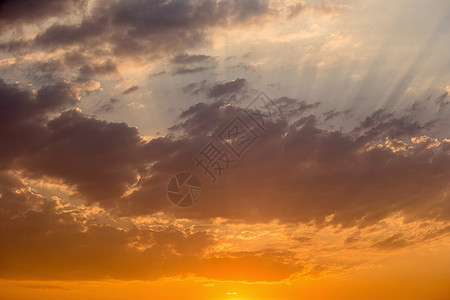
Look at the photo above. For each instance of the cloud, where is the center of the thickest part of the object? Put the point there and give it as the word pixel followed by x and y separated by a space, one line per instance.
pixel 23 114
pixel 89 71
pixel 71 147
pixel 441 100
pixel 331 114
pixel 312 173
pixel 136 105
pixel 13 45
pixel 13 12
pixel 388 165
pixel 108 107
pixel 130 90
pixel 190 59
pixel 394 242
pixel 295 10
pixel 83 198
pixel 183 71
pixel 98 157
pixel 295 173
pixel 42 239
pixel 383 123
pixel 154 27
pixel 195 88
pixel 222 89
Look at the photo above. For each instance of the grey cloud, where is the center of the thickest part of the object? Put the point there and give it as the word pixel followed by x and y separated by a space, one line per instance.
pixel 311 172
pixel 383 123
pixel 29 11
pixel 441 101
pixel 14 45
pixel 293 107
pixel 153 27
pixel 82 151
pixel 23 114
pixel 190 59
pixel 108 107
pixel 195 88
pixel 106 68
pixel 62 35
pixel 97 157
pixel 295 10
pixel 331 114
pixel 216 90
pixel 156 74
pixel 183 71
pixel 130 90
pixel 222 89
pixel 242 66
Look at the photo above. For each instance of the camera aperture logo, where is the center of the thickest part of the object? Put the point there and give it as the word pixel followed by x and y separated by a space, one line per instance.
pixel 184 189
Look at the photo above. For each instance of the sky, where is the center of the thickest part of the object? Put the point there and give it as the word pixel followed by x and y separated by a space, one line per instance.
pixel 225 149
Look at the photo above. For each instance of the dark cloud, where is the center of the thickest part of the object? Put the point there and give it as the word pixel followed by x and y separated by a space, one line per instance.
pixel 129 29
pixel 183 71
pixel 14 45
pixel 242 66
pixel 331 8
pixel 191 63
pixel 195 88
pixel 190 59
pixel 65 35
pixel 294 172
pixel 154 27
pixel 89 71
pixel 293 107
pixel 77 149
pixel 222 89
pixel 42 72
pixel 350 240
pixel 331 114
pixel 130 90
pixel 157 74
pixel 383 123
pixel 217 90
pixel 108 107
pixel 23 114
pixel 18 104
pixel 296 9
pixel 312 173
pixel 97 157
pixel 389 167
pixel 29 11
pixel 441 101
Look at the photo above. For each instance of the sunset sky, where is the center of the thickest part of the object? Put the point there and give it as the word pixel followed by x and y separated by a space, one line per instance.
pixel 334 185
